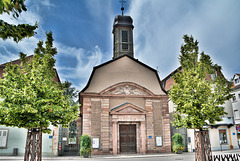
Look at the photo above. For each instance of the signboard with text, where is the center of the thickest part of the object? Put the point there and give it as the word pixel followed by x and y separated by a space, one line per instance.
pixel 95 142
pixel 158 140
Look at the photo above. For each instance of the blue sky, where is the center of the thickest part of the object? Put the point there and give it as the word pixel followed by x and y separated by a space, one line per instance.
pixel 82 30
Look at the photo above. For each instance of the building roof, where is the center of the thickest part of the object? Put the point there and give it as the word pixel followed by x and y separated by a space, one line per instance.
pixel 122 21
pixel 233 85
pixel 108 62
pixel 168 80
pixel 18 62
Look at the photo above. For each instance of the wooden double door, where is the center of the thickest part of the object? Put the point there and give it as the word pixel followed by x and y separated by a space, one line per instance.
pixel 127 138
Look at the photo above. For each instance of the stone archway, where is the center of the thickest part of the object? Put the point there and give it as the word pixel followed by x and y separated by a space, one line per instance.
pixel 129 114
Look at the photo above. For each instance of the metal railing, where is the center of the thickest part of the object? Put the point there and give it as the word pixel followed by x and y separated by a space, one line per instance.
pixel 226 157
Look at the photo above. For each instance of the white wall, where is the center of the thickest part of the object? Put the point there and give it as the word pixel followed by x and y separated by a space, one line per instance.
pixel 17 139
pixel 231 138
pixel 236 104
pixel 191 146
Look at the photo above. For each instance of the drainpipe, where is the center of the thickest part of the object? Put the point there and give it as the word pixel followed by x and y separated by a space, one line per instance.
pixel 230 138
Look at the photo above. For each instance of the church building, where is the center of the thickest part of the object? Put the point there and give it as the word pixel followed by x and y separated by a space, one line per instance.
pixel 124 108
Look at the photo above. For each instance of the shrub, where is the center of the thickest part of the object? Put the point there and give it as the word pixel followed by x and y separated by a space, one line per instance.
pixel 177 143
pixel 85 145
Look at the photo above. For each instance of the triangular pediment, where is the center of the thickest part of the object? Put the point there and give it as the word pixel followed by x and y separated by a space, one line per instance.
pixel 127 88
pixel 127 109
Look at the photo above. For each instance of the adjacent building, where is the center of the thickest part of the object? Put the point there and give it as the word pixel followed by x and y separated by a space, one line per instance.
pixel 223 134
pixel 236 102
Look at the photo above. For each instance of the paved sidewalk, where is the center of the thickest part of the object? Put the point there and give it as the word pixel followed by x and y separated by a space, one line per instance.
pixel 124 156
pixel 120 156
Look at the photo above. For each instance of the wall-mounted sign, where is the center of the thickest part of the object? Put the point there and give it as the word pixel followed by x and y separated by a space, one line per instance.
pixel 50 136
pixel 64 139
pixel 150 137
pixel 238 128
pixel 158 140
pixel 95 142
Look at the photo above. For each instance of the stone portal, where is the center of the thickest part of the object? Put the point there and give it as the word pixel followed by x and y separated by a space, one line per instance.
pixel 129 133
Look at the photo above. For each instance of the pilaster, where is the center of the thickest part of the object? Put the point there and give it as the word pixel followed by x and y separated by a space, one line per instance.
pixel 105 129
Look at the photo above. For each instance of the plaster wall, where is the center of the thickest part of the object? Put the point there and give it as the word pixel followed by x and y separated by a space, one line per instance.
pixel 124 70
pixel 17 139
pixel 231 138
pixel 236 105
pixel 140 102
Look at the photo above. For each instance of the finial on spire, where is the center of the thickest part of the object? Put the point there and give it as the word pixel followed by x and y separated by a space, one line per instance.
pixel 122 1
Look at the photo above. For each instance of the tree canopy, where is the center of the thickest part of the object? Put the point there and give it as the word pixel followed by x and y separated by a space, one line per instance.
pixel 70 92
pixel 197 100
pixel 17 32
pixel 29 96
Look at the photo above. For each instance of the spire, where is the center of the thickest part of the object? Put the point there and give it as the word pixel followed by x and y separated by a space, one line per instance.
pixel 122 1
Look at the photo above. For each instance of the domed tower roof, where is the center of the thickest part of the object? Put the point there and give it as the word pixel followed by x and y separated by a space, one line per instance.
pixel 122 21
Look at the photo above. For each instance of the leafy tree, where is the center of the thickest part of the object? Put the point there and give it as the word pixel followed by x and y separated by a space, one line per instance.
pixel 30 97
pixel 17 32
pixel 198 100
pixel 70 92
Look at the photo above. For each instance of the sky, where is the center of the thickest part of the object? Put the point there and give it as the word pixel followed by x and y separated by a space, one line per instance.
pixel 82 32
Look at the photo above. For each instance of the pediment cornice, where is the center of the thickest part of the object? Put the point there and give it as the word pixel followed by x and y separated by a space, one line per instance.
pixel 127 109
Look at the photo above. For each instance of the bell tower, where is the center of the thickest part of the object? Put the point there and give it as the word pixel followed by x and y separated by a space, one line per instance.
pixel 122 36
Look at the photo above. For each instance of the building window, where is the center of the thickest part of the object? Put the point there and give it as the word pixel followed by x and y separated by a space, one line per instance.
pixel 238 95
pixel 236 114
pixel 234 98
pixel 124 40
pixel 3 138
pixel 213 76
pixel 124 36
pixel 223 136
pixel 125 46
pixel 236 81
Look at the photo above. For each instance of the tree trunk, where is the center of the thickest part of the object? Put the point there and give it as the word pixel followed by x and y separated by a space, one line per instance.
pixel 33 149
pixel 202 146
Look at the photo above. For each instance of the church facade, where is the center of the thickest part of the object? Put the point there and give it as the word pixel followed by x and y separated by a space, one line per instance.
pixel 124 108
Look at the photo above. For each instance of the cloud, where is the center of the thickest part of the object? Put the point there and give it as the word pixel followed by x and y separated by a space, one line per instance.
pixel 73 64
pixel 6 55
pixel 160 25
pixel 29 17
pixel 84 62
pixel 10 49
pixel 47 3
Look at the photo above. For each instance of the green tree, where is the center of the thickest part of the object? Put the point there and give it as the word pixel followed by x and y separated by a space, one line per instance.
pixel 197 100
pixel 17 32
pixel 70 92
pixel 30 98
